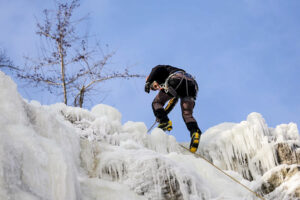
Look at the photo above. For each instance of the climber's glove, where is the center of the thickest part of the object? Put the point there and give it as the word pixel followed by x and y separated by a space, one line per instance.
pixel 147 87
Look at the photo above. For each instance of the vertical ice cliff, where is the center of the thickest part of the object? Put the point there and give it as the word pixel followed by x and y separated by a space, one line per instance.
pixel 39 152
pixel 59 152
pixel 257 153
pixel 250 148
pixel 63 153
pixel 127 155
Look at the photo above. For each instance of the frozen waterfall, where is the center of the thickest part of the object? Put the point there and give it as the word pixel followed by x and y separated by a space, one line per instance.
pixel 58 152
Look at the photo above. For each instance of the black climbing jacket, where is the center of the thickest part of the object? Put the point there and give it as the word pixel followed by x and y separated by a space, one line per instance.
pixel 161 72
pixel 181 84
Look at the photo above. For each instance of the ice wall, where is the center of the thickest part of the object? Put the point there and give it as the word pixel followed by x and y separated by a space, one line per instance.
pixel 248 147
pixel 126 154
pixel 59 152
pixel 63 153
pixel 39 153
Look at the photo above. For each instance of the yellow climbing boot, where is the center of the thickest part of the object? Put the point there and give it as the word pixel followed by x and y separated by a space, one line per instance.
pixel 166 126
pixel 195 140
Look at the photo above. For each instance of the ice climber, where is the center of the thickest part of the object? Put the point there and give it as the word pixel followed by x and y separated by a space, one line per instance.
pixel 173 84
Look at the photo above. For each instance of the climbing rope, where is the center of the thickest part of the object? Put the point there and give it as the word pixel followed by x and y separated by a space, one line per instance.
pixel 198 155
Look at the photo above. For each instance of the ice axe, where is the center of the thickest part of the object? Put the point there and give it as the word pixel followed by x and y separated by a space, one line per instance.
pixel 152 126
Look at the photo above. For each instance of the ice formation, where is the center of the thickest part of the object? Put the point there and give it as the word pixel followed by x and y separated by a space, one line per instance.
pixel 248 147
pixel 58 152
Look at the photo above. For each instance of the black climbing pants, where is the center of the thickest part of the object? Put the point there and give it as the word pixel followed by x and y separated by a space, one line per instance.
pixel 187 106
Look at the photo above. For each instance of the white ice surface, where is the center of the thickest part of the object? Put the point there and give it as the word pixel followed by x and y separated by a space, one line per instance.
pixel 64 153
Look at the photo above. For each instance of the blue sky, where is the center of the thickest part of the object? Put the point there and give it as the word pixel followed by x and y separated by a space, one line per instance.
pixel 245 54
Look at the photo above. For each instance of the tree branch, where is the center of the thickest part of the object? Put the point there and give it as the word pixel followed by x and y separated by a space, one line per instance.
pixel 112 77
pixel 9 66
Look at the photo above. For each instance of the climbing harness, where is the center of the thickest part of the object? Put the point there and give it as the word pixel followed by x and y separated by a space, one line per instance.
pixel 185 76
pixel 199 156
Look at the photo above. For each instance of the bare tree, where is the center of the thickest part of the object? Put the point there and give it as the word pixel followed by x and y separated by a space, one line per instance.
pixel 5 62
pixel 67 62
